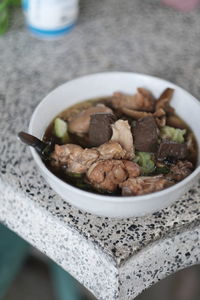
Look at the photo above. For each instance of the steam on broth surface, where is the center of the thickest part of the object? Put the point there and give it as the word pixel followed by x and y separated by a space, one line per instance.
pixel 122 145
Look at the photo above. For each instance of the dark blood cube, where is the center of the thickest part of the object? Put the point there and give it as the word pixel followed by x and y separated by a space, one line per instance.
pixel 100 130
pixel 172 149
pixel 145 134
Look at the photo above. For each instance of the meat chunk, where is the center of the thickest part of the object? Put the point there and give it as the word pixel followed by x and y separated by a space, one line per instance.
pixel 172 149
pixel 159 115
pixel 77 159
pixel 176 122
pixel 108 174
pixel 142 100
pixel 136 114
pixel 63 153
pixel 122 134
pixel 191 145
pixel 132 168
pixel 145 134
pixel 79 123
pixel 144 185
pixel 164 101
pixel 180 170
pixel 100 130
pixel 111 150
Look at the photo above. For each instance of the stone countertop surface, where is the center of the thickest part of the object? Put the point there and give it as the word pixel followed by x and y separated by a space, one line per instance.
pixel 113 258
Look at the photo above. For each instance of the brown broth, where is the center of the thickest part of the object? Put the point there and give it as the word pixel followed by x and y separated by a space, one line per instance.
pixel 81 182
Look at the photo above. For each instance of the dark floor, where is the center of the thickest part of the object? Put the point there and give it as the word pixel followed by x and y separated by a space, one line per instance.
pixel 34 282
pixel 25 287
pixel 184 285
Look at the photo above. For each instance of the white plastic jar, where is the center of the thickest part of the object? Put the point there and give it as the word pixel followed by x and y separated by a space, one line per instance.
pixel 50 18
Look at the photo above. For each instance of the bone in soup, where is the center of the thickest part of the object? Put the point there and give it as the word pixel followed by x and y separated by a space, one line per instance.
pixel 125 145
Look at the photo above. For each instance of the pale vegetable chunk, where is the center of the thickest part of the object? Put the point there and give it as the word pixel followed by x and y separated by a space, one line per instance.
pixel 145 161
pixel 60 128
pixel 173 134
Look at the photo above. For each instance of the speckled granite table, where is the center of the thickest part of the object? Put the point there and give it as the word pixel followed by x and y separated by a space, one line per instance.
pixel 114 259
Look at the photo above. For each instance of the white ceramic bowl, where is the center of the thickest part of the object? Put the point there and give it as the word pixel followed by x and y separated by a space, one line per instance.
pixel 104 84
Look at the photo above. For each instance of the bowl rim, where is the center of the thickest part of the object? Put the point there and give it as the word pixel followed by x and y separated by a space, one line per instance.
pixel 110 198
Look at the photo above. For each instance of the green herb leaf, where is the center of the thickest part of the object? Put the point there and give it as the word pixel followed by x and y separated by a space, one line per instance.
pixel 162 170
pixel 74 175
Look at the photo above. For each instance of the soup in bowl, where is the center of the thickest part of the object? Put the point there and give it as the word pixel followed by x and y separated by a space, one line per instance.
pixel 125 144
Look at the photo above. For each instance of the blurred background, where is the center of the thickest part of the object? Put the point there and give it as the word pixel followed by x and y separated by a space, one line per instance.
pixel 25 273
pixel 37 277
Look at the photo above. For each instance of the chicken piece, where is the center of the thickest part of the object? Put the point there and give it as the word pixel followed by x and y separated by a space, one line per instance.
pixel 164 101
pixel 122 134
pixel 132 168
pixel 180 170
pixel 144 185
pixel 111 150
pixel 79 123
pixel 62 154
pixel 108 174
pixel 142 100
pixel 77 159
